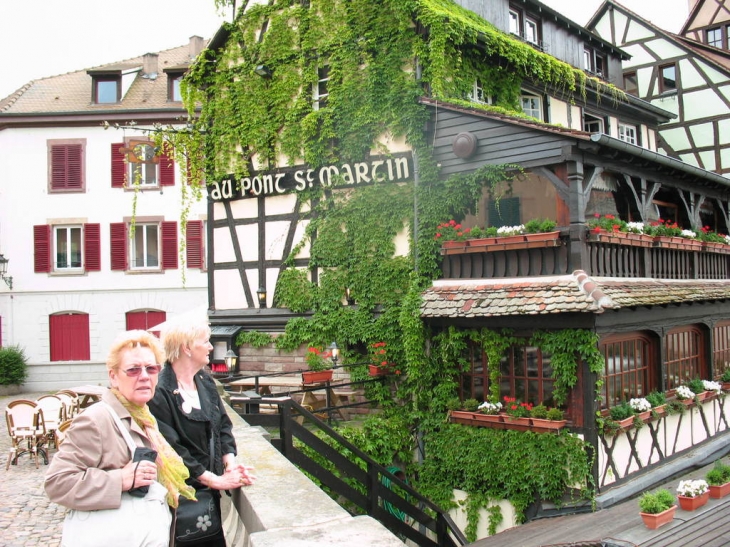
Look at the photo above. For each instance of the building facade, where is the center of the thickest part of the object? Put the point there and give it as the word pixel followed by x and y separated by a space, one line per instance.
pixel 90 216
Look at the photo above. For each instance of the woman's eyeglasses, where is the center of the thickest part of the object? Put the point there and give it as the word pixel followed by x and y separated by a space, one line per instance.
pixel 136 371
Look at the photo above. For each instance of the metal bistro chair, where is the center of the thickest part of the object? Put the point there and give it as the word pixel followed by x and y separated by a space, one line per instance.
pixel 26 429
pixel 54 412
pixel 60 433
pixel 71 402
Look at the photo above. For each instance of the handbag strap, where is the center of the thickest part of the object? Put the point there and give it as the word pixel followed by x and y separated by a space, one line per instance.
pixel 123 430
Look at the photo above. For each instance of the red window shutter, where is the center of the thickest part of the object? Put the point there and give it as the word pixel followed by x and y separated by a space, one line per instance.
pixel 194 244
pixel 167 169
pixel 169 245
pixel 143 320
pixel 118 232
pixel 42 248
pixel 118 166
pixel 66 167
pixel 92 247
pixel 69 337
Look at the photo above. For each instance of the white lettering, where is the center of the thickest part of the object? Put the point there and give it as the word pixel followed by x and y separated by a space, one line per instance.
pixel 326 174
pixel 245 185
pixel 310 178
pixel 215 192
pixel 401 162
pixel 256 186
pixel 301 184
pixel 227 190
pixel 279 189
pixel 361 172
pixel 374 171
pixel 390 169
pixel 268 181
pixel 347 174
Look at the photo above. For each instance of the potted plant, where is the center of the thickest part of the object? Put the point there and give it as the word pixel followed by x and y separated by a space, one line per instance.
pixel 490 412
pixel 547 418
pixel 685 394
pixel 712 241
pixel 517 412
pixel 623 414
pixel 541 229
pixel 379 365
pixel 13 369
pixel 712 388
pixel 657 508
pixel 642 407
pixel 718 479
pixel 698 388
pixel 693 494
pixel 320 366
pixel 658 402
pixel 725 379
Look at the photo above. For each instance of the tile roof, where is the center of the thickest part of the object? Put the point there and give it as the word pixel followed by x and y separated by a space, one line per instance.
pixel 71 92
pixel 574 293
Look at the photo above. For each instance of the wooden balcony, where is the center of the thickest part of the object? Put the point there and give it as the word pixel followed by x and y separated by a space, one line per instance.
pixel 600 257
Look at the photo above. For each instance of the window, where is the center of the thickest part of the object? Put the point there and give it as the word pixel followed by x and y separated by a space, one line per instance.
pixel 194 244
pixel 525 26
pixel 173 86
pixel 69 333
pixel 631 83
pixel 106 89
pixel 66 165
pixel 476 95
pixel 667 78
pixel 630 360
pixel 72 248
pixel 721 348
pixel 594 62
pixel 504 213
pixel 684 357
pixel 143 320
pixel 320 91
pixel 152 248
pixel 666 211
pixel 532 106
pixel 138 161
pixel 593 124
pixel 714 37
pixel 627 133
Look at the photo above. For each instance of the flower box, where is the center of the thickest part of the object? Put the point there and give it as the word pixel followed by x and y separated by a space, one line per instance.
pixel 621 238
pixel 654 521
pixel 714 247
pixel 539 423
pixel 692 503
pixel 316 377
pixel 626 422
pixel 375 370
pixel 542 236
pixel 645 416
pixel 720 491
pixel 675 242
pixel 660 410
pixel 726 386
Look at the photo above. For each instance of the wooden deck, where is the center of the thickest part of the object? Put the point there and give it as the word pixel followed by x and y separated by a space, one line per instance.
pixel 621 526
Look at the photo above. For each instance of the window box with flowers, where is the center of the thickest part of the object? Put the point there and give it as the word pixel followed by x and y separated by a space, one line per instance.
pixel 668 235
pixel 534 233
pixel 623 414
pixel 718 479
pixel 609 229
pixel 685 395
pixel 547 418
pixel 518 413
pixel 642 408
pixel 657 508
pixel 712 242
pixel 693 494
pixel 379 364
pixel 320 366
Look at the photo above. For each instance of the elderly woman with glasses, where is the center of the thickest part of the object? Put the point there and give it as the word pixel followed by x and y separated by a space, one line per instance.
pixel 95 465
pixel 192 417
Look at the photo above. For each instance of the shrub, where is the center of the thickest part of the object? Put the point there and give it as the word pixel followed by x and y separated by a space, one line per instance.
pixel 540 412
pixel 696 385
pixel 720 474
pixel 471 405
pixel 13 366
pixel 656 398
pixel 622 411
pixel 656 502
pixel 555 414
pixel 540 225
pixel 725 376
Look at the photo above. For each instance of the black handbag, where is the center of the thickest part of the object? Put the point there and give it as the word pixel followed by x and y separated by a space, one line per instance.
pixel 198 520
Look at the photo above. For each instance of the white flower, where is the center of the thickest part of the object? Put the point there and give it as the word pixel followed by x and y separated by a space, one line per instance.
pixel 635 227
pixel 640 404
pixel 727 240
pixel 511 230
pixel 490 408
pixel 692 488
pixel 688 233
pixel 712 386
pixel 683 392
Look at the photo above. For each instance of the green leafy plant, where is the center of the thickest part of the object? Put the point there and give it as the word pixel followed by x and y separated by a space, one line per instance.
pixel 666 228
pixel 719 474
pixel 254 338
pixel 696 385
pixel 707 234
pixel 656 502
pixel 621 411
pixel 606 223
pixel 471 405
pixel 656 398
pixel 539 411
pixel 555 414
pixel 13 365
pixel 517 409
pixel 540 225
pixel 725 375
pixel 317 359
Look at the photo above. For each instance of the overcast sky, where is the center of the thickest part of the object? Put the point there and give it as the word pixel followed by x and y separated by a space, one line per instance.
pixel 41 38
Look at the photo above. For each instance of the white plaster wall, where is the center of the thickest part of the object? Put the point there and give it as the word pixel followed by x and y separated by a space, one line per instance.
pixel 458 515
pixel 702 104
pixel 559 113
pixel 106 295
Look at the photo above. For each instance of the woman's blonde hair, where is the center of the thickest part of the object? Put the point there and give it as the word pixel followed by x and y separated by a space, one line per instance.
pixel 181 333
pixel 131 339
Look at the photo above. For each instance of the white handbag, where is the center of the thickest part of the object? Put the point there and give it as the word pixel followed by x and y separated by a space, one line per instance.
pixel 138 522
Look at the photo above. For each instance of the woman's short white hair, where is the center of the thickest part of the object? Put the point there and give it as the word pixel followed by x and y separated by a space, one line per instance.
pixel 183 332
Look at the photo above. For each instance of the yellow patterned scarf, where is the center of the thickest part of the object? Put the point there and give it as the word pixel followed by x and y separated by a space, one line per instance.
pixel 171 471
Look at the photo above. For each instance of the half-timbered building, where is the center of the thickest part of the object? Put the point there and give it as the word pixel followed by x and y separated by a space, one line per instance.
pixel 302 121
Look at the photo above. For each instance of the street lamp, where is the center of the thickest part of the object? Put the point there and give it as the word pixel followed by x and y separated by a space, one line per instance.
pixel 261 294
pixel 335 351
pixel 230 358
pixel 3 270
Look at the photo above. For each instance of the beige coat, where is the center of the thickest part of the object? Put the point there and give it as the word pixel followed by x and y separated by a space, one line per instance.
pixel 86 474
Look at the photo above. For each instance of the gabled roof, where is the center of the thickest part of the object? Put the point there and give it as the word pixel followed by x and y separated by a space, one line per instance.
pixel 71 92
pixel 574 293
pixel 692 14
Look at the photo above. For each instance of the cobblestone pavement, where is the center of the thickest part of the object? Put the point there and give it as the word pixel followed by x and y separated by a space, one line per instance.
pixel 27 517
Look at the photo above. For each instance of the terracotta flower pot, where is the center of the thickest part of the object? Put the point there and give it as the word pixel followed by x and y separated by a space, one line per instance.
pixel 539 423
pixel 375 370
pixel 626 422
pixel 654 521
pixel 494 418
pixel 690 504
pixel 316 377
pixel 720 491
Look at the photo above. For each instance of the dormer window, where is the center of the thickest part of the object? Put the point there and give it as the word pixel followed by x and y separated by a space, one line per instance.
pixel 525 26
pixel 174 77
pixel 594 62
pixel 714 37
pixel 477 95
pixel 107 89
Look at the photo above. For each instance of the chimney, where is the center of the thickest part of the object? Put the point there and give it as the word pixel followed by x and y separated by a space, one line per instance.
pixel 149 66
pixel 196 46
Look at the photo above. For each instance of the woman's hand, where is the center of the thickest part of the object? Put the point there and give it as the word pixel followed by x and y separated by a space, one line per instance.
pixel 234 477
pixel 136 474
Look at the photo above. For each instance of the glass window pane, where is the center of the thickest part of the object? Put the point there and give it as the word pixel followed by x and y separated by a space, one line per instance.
pixel 106 91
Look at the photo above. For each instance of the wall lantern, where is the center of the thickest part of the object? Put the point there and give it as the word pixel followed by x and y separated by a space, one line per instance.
pixel 263 71
pixel 348 297
pixel 230 359
pixel 261 294
pixel 4 270
pixel 335 350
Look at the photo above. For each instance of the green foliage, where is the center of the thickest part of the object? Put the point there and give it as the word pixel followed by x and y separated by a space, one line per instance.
pixel 696 385
pixel 622 411
pixel 539 411
pixel 13 365
pixel 725 375
pixel 719 474
pixel 500 464
pixel 540 225
pixel 471 405
pixel 254 338
pixel 555 414
pixel 656 502
pixel 656 398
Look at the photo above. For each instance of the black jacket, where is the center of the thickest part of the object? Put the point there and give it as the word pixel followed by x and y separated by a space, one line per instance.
pixel 189 434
